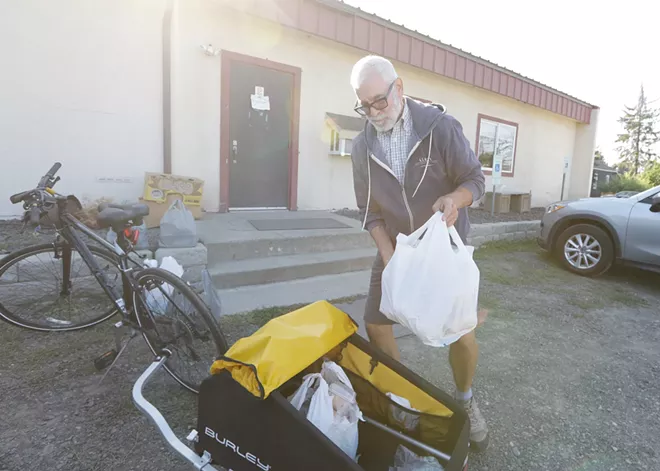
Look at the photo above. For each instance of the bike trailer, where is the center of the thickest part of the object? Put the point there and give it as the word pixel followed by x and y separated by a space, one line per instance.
pixel 245 420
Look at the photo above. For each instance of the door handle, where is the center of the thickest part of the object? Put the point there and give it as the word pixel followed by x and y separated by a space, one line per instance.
pixel 234 147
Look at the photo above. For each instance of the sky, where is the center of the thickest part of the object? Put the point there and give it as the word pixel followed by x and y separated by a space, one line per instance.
pixel 601 55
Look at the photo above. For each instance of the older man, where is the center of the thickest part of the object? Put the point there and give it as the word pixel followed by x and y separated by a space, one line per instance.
pixel 411 161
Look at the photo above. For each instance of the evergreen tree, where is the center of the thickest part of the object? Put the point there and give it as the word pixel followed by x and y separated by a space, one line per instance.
pixel 639 136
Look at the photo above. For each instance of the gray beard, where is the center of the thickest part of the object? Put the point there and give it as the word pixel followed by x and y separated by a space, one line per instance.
pixel 391 124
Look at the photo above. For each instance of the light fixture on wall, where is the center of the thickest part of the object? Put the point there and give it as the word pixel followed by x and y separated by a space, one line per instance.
pixel 210 50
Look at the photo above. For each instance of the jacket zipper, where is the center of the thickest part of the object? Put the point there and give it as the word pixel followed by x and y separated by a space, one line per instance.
pixel 403 185
pixel 405 167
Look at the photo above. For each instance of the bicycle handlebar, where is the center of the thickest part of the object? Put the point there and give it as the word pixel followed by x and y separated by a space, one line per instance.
pixel 18 197
pixel 51 173
pixel 47 181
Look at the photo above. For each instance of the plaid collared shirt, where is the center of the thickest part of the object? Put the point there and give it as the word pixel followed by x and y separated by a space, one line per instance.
pixel 396 143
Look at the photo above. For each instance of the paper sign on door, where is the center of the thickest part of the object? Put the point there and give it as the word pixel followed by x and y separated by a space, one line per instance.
pixel 259 101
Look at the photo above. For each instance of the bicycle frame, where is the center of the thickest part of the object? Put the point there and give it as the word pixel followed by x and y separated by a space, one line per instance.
pixel 73 240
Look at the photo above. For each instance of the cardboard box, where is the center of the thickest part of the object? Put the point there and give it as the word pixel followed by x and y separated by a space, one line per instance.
pixel 157 186
pixel 521 203
pixel 502 202
pixel 157 210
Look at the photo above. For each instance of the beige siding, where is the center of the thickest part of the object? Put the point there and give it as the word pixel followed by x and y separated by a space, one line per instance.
pixel 324 181
pixel 81 83
pixel 582 171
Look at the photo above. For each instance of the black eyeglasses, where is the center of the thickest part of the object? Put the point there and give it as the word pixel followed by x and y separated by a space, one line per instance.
pixel 379 104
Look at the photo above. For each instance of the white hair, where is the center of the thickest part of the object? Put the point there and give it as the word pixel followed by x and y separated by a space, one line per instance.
pixel 369 66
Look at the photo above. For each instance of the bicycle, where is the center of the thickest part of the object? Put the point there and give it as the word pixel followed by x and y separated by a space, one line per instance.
pixel 172 318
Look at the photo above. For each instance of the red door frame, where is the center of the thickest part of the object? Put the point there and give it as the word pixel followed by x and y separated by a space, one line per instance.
pixel 228 58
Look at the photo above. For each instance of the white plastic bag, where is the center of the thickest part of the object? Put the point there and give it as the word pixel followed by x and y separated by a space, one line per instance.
pixel 211 296
pixel 177 227
pixel 406 460
pixel 406 420
pixel 170 264
pixel 339 425
pixel 156 299
pixel 431 286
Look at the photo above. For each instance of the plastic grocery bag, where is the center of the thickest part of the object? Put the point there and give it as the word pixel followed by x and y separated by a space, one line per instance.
pixel 338 420
pixel 157 298
pixel 211 296
pixel 177 227
pixel 406 460
pixel 408 421
pixel 431 284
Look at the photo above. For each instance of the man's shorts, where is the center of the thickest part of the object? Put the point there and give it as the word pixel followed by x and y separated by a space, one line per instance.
pixel 372 314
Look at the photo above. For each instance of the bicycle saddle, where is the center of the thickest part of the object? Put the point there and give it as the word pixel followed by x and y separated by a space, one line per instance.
pixel 118 215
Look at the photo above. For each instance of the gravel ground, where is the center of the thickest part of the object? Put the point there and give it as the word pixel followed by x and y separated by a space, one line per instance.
pixel 568 379
pixel 477 216
pixel 569 369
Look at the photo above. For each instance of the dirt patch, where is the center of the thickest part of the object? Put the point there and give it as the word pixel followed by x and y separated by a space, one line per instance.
pixel 477 216
pixel 568 378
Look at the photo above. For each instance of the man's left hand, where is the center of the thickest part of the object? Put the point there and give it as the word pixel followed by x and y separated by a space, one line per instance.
pixel 447 205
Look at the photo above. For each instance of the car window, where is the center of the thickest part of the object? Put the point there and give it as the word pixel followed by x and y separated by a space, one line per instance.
pixel 649 199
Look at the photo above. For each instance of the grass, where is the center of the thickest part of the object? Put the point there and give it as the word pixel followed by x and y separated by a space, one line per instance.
pixel 261 316
pixel 625 297
pixel 585 303
pixel 500 263
pixel 502 247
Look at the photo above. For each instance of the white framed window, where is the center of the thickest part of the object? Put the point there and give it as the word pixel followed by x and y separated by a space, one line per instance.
pixel 496 135
pixel 340 145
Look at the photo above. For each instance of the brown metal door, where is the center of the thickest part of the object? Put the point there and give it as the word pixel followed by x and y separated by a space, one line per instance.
pixel 260 112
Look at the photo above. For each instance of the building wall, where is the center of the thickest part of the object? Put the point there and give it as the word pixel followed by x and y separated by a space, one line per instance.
pixel 544 138
pixel 582 171
pixel 81 83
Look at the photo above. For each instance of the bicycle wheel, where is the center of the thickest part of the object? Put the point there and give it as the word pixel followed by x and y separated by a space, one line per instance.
pixel 33 294
pixel 172 316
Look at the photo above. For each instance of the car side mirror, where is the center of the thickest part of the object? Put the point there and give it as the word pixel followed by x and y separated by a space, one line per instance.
pixel 655 204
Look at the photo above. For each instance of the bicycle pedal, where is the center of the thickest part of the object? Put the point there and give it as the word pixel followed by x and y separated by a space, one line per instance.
pixel 105 360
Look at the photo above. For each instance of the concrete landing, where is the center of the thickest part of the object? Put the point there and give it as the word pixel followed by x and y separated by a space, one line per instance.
pixel 259 271
pixel 216 228
pixel 253 269
pixel 301 291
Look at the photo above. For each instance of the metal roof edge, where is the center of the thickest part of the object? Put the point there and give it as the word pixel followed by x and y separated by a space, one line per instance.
pixel 342 6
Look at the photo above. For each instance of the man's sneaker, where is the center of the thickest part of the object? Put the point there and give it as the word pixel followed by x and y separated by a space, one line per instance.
pixel 478 427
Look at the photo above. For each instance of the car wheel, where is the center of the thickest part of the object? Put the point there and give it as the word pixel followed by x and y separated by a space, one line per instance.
pixel 585 249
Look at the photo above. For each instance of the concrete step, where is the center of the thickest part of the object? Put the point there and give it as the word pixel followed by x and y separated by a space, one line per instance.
pixel 281 268
pixel 301 242
pixel 304 291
